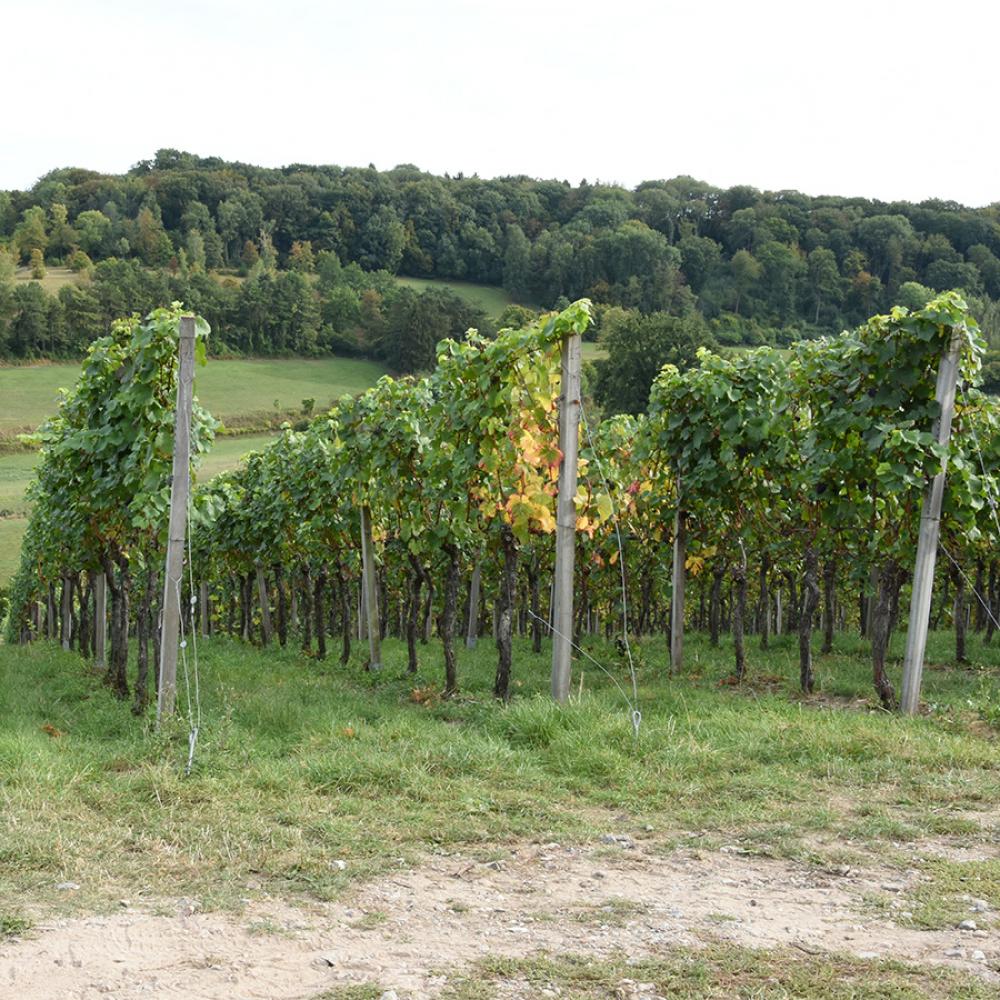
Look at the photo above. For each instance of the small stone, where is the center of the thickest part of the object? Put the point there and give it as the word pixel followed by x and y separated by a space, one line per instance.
pixel 495 865
pixel 327 961
pixel 753 902
pixel 868 954
pixel 600 875
pixel 649 828
pixel 979 906
pixel 955 953
pixel 187 907
pixel 68 886
pixel 340 865
pixel 123 903
pixel 893 886
pixel 978 956
pixel 389 995
pixel 968 925
pixel 619 839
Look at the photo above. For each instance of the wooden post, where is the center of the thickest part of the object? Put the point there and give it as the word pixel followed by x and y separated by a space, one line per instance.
pixel 370 589
pixel 677 592
pixel 180 486
pixel 927 540
pixel 100 620
pixel 472 627
pixel 569 433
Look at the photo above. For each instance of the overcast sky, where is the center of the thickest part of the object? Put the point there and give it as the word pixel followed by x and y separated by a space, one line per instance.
pixel 879 98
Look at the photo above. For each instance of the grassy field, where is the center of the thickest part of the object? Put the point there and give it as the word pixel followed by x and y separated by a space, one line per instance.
pixel 300 761
pixel 55 278
pixel 490 298
pixel 241 393
pixel 17 470
pixel 230 389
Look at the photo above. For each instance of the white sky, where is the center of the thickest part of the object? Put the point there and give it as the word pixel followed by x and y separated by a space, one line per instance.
pixel 879 98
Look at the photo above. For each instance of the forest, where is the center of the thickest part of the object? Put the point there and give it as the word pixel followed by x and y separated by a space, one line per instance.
pixel 751 267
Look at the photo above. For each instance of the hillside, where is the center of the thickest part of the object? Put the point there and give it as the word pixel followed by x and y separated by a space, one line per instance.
pixel 756 265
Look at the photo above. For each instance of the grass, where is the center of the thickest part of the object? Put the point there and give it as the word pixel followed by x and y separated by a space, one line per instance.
pixel 55 278
pixel 17 471
pixel 13 925
pixel 11 533
pixel 230 389
pixel 490 298
pixel 301 763
pixel 241 393
pixel 719 972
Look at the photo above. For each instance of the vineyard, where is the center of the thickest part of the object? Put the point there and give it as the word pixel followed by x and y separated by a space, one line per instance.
pixel 760 494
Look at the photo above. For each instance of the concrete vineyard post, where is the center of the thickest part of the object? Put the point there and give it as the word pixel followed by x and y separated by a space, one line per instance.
pixel 370 588
pixel 203 607
pixel 569 427
pixel 677 594
pixel 472 627
pixel 66 618
pixel 100 620
pixel 265 605
pixel 927 540
pixel 180 487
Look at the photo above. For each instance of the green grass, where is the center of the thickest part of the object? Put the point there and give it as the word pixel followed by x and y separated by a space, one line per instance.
pixel 55 278
pixel 230 389
pixel 11 532
pixel 719 972
pixel 17 471
pixel 233 389
pixel 301 763
pixel 13 925
pixel 241 393
pixel 593 351
pixel 490 298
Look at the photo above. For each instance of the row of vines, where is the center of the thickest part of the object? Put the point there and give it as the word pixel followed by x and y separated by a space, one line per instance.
pixel 796 479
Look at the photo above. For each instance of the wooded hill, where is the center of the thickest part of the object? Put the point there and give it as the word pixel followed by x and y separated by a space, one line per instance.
pixel 758 266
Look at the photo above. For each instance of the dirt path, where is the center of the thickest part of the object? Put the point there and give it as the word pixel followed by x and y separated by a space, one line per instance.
pixel 404 931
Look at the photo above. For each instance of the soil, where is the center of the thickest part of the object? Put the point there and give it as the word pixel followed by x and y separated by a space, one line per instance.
pixel 406 931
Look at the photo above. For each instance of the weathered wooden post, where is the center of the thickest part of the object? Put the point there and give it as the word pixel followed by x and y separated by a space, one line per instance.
pixel 927 540
pixel 180 488
pixel 370 590
pixel 569 432
pixel 100 620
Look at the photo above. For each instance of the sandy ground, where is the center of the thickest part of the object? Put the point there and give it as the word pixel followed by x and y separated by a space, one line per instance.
pixel 406 931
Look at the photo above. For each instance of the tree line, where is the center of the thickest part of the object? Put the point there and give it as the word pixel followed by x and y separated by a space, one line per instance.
pixel 269 312
pixel 756 266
